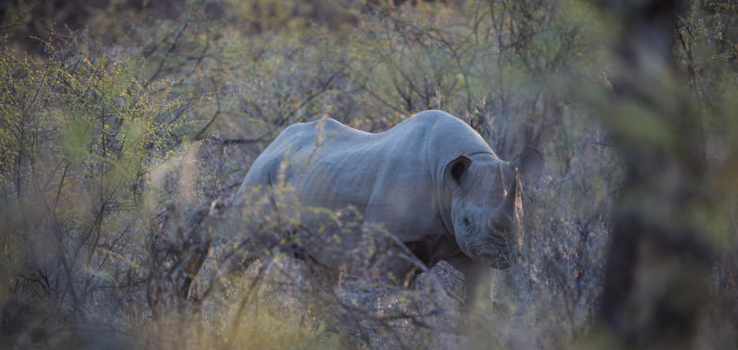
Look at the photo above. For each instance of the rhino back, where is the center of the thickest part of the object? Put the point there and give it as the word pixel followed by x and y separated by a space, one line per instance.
pixel 390 177
pixel 386 176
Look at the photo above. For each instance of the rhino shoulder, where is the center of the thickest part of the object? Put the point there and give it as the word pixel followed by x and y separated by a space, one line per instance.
pixel 432 115
pixel 443 122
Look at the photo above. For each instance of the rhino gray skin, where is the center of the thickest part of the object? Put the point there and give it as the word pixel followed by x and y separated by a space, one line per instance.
pixel 431 181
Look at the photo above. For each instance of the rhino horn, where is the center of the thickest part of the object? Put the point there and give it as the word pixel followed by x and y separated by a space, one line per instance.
pixel 510 203
pixel 512 195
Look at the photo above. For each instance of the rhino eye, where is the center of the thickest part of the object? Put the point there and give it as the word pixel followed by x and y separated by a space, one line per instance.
pixel 466 221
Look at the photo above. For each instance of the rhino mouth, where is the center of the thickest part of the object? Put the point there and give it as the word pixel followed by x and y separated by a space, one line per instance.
pixel 501 263
pixel 496 251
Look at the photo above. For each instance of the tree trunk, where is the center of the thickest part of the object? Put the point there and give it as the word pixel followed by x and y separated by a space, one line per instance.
pixel 658 264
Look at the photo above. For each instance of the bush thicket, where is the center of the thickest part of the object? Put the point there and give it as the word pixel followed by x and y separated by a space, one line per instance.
pixel 128 126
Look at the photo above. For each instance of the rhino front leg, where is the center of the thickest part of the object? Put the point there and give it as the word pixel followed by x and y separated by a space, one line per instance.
pixel 474 274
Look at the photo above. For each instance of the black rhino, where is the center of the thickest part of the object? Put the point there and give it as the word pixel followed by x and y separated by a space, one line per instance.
pixel 431 182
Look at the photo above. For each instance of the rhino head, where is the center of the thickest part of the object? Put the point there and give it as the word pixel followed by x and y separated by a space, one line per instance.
pixel 486 208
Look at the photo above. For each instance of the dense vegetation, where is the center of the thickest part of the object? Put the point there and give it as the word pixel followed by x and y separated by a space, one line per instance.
pixel 127 127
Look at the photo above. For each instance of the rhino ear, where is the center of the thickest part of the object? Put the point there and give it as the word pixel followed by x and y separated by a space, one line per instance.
pixel 530 164
pixel 455 170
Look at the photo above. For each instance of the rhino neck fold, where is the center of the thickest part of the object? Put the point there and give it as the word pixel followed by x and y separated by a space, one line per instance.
pixel 444 208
